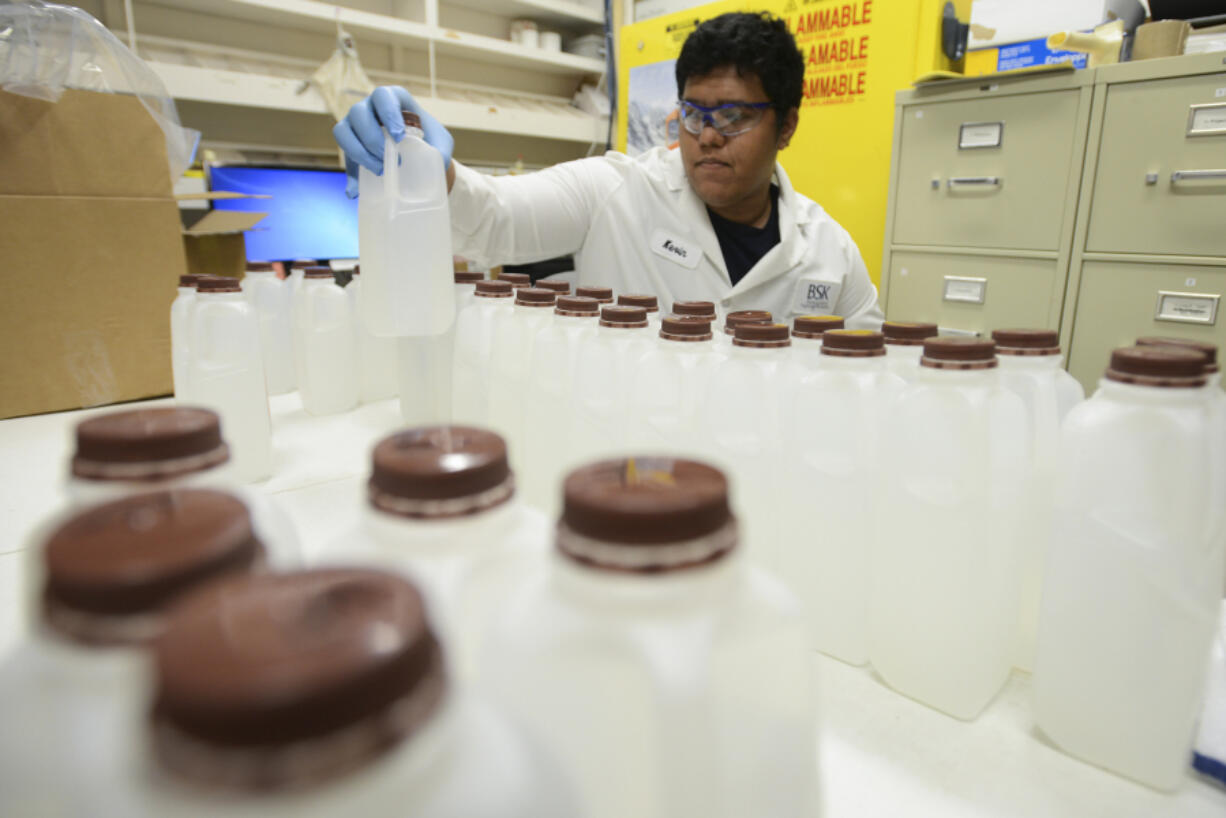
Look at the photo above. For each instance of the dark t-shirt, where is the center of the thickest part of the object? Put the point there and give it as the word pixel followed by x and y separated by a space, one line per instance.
pixel 744 244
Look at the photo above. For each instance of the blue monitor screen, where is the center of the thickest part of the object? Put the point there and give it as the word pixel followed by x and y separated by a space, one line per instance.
pixel 309 215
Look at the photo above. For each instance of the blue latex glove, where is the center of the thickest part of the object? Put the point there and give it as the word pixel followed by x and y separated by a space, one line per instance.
pixel 360 133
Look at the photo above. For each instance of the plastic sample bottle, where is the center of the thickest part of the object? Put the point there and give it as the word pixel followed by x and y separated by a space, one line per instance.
pixel 443 509
pixel 550 396
pixel 603 295
pixel 603 371
pixel 695 309
pixel 326 345
pixel 904 344
pixel 322 693
pixel 833 421
pixel 404 234
pixel 558 286
pixel 474 338
pixel 227 373
pixel 668 386
pixel 72 695
pixel 134 451
pixel 638 656
pixel 376 356
pixel 510 354
pixel 947 560
pixel 271 298
pixel 807 338
pixel 742 422
pixel 734 319
pixel 180 311
pixel 647 302
pixel 1133 587
pixel 465 288
pixel 1030 367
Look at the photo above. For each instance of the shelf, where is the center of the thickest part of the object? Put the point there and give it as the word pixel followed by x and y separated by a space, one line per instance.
pixel 310 15
pixel 552 12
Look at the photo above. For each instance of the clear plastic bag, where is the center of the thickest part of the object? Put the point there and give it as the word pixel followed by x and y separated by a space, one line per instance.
pixel 46 48
pixel 341 81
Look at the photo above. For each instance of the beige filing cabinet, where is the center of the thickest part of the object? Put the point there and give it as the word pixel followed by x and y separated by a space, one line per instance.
pixel 1150 241
pixel 983 195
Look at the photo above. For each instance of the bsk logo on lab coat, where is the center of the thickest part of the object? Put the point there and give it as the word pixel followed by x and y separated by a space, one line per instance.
pixel 816 296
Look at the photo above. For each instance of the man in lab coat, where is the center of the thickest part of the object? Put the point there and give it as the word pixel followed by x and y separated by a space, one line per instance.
pixel 715 220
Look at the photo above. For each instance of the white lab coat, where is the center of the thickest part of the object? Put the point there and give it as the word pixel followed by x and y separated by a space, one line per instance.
pixel 637 226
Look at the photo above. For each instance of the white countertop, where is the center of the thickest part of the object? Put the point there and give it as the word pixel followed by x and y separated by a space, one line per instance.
pixel 881 753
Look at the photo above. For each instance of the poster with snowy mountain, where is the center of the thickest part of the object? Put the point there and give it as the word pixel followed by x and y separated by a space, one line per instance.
pixel 652 107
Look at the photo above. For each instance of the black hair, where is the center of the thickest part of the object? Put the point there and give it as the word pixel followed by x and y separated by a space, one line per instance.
pixel 753 43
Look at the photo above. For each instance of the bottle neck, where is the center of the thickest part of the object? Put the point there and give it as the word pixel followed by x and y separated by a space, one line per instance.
pixel 623 333
pixel 1029 363
pixel 958 377
pixel 637 594
pixel 844 363
pixel 218 298
pixel 758 353
pixel 1137 394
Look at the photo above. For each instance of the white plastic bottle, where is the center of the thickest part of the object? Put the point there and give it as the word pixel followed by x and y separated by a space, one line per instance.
pixel 444 509
pixel 668 675
pixel 465 288
pixel 376 356
pixel 323 693
pixel 180 311
pixel 134 451
pixel 741 423
pixel 1133 588
pixel 404 233
pixel 72 696
pixel 723 340
pixel 271 298
pixel 807 338
pixel 833 422
pixel 603 371
pixel 647 302
pixel 1030 367
pixel 550 398
pixel 668 387
pixel 947 559
pixel 227 373
pixel 325 344
pixel 904 344
pixel 510 355
pixel 474 338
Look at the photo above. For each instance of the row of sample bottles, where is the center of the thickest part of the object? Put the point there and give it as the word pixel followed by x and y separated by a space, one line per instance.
pixel 454 655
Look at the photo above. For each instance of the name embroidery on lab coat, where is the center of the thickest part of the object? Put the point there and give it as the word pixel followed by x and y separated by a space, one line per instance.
pixel 676 250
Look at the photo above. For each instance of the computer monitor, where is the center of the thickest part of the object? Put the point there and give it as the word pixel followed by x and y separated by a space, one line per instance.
pixel 309 215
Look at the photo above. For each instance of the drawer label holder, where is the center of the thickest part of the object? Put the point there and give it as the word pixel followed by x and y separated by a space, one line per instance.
pixel 965 289
pixel 973 135
pixel 1207 120
pixel 1187 308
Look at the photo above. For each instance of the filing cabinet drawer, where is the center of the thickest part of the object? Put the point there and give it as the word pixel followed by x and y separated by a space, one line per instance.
pixel 1160 184
pixel 1121 301
pixel 975 293
pixel 989 172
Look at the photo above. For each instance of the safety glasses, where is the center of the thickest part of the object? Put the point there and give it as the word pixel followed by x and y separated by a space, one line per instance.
pixel 729 119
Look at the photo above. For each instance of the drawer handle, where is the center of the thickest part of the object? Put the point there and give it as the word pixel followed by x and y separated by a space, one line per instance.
pixel 974 181
pixel 1193 175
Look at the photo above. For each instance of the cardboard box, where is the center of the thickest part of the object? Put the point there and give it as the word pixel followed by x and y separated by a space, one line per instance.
pixel 1019 55
pixel 92 245
pixel 213 239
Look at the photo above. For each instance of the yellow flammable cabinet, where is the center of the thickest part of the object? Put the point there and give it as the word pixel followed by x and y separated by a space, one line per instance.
pixel 1150 245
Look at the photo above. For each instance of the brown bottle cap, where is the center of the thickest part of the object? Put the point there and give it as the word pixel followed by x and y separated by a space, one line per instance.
pixel 959 353
pixel 318 272
pixel 218 284
pixel 762 336
pixel 188 280
pixel 1209 350
pixel 685 328
pixel 646 514
pixel 112 568
pixel 1026 342
pixel 602 294
pixel 700 309
pixel 148 444
pixel 440 471
pixel 623 317
pixel 516 278
pixel 1165 366
pixel 463 277
pixel 576 306
pixel 647 302
pixel 494 289
pixel 278 681
pixel 559 287
pixel 853 343
pixel 535 297
pixel 260 267
pixel 907 333
pixel 812 326
pixel 411 120
pixel 734 319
